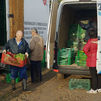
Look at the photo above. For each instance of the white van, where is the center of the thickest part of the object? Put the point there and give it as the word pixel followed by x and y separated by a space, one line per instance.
pixel 63 15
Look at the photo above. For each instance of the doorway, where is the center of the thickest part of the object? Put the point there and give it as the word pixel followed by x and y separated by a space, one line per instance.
pixel 3 35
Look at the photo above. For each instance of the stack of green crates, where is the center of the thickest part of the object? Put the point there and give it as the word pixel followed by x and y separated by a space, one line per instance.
pixel 72 35
pixel 65 56
pixel 79 84
pixel 80 36
pixel 43 62
pixel 80 59
pixel 8 78
pixel 81 32
pixel 76 37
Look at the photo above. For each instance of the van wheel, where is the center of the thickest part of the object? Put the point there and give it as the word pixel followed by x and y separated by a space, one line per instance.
pixel 60 76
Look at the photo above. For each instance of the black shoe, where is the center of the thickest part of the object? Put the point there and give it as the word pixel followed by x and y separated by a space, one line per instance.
pixel 38 81
pixel 13 89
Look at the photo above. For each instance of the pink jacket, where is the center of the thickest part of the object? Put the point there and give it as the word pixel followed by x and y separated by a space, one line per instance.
pixel 90 49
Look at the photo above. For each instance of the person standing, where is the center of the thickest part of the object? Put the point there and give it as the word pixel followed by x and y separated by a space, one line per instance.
pixel 90 49
pixel 18 45
pixel 36 56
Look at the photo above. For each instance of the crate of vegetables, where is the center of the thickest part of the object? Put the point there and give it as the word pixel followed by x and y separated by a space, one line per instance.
pixel 14 59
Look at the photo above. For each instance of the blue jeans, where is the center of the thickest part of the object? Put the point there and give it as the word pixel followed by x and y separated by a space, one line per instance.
pixel 15 70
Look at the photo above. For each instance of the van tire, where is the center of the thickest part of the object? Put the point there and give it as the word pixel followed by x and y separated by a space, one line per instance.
pixel 60 76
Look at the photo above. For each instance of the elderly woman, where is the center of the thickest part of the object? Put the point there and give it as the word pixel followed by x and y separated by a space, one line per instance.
pixel 18 45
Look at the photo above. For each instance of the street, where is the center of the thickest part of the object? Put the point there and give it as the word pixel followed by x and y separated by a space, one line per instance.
pixel 50 89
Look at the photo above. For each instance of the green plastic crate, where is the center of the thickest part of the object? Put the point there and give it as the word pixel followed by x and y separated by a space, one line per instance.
pixel 68 62
pixel 79 84
pixel 8 78
pixel 65 56
pixel 80 59
pixel 43 65
pixel 43 62
pixel 81 63
pixel 76 37
pixel 80 32
pixel 44 56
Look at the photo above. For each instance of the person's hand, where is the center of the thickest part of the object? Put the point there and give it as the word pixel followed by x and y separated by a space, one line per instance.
pixel 26 54
pixel 4 51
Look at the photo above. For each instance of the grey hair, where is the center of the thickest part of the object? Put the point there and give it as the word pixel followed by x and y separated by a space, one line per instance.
pixel 35 30
pixel 19 31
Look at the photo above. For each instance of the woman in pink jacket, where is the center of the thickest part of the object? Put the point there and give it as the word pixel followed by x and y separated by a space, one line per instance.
pixel 90 50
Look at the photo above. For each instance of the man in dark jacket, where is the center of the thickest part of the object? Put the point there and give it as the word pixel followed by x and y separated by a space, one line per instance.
pixel 18 45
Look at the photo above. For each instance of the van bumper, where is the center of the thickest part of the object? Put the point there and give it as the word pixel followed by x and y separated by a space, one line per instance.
pixel 72 70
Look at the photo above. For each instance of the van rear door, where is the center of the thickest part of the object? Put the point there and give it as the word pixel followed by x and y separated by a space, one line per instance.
pixel 51 33
pixel 99 36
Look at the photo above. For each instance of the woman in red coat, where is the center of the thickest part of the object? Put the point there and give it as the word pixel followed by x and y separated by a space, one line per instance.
pixel 90 49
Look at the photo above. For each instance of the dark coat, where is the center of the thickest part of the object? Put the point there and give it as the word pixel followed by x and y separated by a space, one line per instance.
pixel 15 49
pixel 90 49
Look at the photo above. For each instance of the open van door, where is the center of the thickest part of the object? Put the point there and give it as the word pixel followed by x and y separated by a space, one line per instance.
pixel 99 36
pixel 51 33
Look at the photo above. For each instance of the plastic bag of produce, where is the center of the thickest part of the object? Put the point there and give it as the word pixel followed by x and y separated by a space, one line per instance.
pixel 14 59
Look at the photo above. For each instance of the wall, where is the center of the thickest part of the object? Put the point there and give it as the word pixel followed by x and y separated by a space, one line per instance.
pixel 36 15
